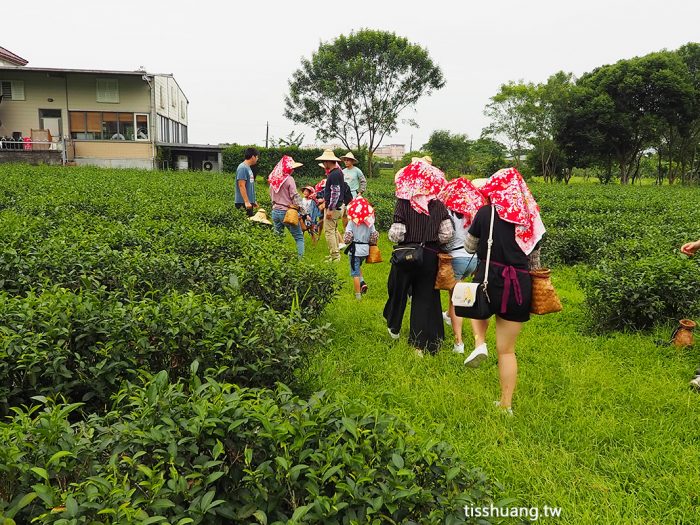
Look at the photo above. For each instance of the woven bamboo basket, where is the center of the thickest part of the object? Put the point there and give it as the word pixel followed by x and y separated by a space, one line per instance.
pixel 544 297
pixel 445 278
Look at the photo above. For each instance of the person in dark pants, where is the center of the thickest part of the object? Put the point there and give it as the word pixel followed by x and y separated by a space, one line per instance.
pixel 418 218
pixel 245 183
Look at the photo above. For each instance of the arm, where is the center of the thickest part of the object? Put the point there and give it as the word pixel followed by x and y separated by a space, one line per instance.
pixel 374 237
pixel 471 243
pixel 363 182
pixel 533 260
pixel 397 232
pixel 446 231
pixel 244 193
pixel 293 193
pixel 349 234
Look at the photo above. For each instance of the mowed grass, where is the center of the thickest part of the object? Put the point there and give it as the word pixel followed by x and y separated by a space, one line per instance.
pixel 605 427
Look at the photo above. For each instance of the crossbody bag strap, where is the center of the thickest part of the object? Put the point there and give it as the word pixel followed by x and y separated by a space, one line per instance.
pixel 488 249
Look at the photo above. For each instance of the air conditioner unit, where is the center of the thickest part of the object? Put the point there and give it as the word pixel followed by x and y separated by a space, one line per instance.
pixel 210 165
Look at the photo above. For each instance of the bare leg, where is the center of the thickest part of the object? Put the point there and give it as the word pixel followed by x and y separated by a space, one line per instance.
pixel 456 322
pixel 479 327
pixel 356 284
pixel 506 335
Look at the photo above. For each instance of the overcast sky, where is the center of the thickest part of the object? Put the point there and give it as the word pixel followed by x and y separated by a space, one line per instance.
pixel 233 60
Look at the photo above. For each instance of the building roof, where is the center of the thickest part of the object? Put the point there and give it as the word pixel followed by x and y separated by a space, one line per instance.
pixel 191 147
pixel 9 56
pixel 86 71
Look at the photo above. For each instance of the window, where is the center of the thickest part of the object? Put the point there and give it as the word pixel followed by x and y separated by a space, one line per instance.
pixel 162 97
pixel 108 125
pixel 12 89
pixel 108 90
pixel 183 111
pixel 173 97
pixel 142 128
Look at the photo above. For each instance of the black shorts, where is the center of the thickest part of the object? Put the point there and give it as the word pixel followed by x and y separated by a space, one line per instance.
pixel 515 312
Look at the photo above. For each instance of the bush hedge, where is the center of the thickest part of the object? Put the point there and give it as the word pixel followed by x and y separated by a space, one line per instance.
pixel 211 453
pixel 83 346
pixel 269 157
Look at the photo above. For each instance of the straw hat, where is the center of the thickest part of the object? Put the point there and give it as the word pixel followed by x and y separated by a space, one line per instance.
pixel 310 188
pixel 260 216
pixel 349 156
pixel 480 183
pixel 428 159
pixel 328 156
pixel 296 164
pixel 320 165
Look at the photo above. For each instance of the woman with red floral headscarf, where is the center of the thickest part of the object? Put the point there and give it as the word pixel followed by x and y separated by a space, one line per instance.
pixel 359 235
pixel 284 195
pixel 517 231
pixel 462 200
pixel 419 218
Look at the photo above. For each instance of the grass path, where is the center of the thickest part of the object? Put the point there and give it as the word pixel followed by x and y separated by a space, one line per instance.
pixel 605 427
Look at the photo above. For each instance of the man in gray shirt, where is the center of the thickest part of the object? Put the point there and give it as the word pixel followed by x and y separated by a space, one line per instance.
pixel 245 182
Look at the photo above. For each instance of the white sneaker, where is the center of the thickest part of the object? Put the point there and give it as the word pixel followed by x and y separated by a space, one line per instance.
pixel 342 246
pixel 505 411
pixel 695 383
pixel 478 356
pixel 392 334
pixel 458 348
pixel 447 318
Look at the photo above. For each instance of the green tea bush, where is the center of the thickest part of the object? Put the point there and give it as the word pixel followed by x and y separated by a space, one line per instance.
pixel 83 345
pixel 213 453
pixel 639 293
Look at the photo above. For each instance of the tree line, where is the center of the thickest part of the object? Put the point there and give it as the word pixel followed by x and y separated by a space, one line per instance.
pixel 620 120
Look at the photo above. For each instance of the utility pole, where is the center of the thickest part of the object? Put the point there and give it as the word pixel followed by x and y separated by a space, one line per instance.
pixel 410 148
pixel 267 132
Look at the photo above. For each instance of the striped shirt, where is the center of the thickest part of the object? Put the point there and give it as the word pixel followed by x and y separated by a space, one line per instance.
pixel 420 227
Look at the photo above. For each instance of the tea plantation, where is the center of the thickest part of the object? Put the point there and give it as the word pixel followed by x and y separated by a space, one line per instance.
pixel 163 360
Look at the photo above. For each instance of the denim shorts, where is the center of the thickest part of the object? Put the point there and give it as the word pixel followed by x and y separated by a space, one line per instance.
pixel 355 268
pixel 463 266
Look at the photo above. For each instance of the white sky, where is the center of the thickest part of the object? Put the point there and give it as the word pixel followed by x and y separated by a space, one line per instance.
pixel 233 59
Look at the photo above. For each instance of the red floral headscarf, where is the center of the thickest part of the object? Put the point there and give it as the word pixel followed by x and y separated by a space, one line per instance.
pixel 419 183
pixel 360 210
pixel 280 172
pixel 320 186
pixel 514 203
pixel 461 196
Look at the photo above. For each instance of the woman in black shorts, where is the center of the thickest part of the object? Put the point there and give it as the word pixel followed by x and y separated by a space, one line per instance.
pixel 517 231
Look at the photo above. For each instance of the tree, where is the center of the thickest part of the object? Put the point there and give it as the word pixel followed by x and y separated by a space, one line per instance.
pixel 354 88
pixel 449 151
pixel 618 111
pixel 486 156
pixel 293 139
pixel 511 113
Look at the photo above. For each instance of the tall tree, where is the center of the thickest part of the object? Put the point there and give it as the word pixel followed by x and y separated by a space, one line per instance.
pixel 510 111
pixel 354 88
pixel 449 151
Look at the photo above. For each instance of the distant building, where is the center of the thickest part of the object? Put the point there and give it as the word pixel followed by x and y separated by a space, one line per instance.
pixel 392 151
pixel 97 117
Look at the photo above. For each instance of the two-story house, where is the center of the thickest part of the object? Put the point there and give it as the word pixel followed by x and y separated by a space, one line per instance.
pixel 104 118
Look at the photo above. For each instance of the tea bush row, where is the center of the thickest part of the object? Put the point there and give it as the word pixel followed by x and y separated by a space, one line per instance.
pixel 204 452
pixel 83 345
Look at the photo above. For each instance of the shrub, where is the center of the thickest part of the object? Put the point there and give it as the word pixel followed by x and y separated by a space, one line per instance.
pixel 269 157
pixel 213 453
pixel 638 293
pixel 83 345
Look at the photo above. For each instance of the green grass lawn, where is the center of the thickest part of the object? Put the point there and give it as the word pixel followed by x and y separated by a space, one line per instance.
pixel 604 427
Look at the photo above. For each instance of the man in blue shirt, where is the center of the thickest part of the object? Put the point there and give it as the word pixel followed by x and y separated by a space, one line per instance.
pixel 245 182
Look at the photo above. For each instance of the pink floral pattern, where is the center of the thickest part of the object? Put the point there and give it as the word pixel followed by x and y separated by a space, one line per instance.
pixel 514 203
pixel 419 183
pixel 360 210
pixel 280 172
pixel 461 196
